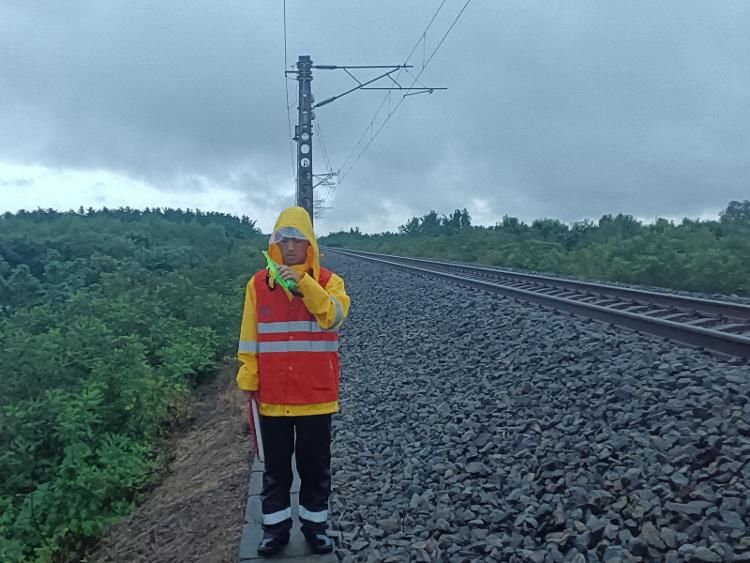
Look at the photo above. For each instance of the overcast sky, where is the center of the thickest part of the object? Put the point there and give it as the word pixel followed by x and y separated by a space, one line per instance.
pixel 553 109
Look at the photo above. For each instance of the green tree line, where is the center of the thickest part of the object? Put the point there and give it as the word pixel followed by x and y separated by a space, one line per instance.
pixel 710 256
pixel 107 319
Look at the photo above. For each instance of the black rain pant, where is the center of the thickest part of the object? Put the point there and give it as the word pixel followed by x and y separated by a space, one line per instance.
pixel 309 438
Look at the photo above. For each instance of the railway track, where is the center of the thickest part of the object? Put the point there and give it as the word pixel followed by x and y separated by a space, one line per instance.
pixel 718 326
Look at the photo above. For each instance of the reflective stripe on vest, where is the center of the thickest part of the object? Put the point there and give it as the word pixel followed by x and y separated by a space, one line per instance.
pixel 292 326
pixel 298 346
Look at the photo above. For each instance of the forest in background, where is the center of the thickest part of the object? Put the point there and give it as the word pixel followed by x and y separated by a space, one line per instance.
pixel 710 256
pixel 107 319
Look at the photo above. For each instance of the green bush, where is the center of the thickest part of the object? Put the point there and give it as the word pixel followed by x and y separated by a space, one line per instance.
pixel 107 319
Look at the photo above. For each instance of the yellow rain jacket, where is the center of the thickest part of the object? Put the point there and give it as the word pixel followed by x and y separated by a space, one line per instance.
pixel 317 300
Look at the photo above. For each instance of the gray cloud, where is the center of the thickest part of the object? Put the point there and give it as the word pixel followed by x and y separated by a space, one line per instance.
pixel 17 183
pixel 553 109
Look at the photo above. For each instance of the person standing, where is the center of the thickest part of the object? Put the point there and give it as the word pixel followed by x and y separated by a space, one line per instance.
pixel 290 364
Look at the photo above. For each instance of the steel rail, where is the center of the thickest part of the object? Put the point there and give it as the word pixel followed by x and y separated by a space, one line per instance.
pixel 681 320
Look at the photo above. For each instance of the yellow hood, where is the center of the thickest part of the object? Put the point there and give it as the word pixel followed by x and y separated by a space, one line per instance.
pixel 298 218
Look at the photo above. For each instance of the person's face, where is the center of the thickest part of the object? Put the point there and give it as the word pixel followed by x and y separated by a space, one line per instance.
pixel 293 250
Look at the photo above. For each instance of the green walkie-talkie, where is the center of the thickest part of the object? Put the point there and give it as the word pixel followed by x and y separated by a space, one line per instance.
pixel 289 285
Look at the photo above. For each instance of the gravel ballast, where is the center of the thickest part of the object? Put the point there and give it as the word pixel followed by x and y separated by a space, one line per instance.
pixel 475 427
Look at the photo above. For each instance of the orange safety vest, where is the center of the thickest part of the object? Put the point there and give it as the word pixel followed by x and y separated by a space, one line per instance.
pixel 298 362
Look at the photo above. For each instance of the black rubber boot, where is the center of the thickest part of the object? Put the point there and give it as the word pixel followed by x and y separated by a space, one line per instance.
pixel 271 545
pixel 320 542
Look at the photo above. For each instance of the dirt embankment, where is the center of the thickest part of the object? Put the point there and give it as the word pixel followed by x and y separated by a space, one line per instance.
pixel 196 513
